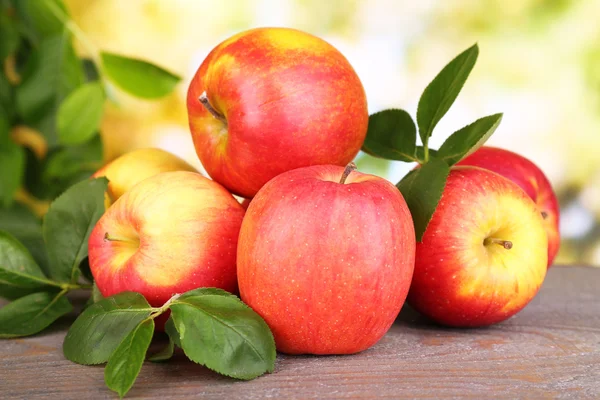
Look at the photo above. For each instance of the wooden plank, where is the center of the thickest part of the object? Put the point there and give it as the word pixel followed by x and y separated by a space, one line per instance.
pixel 549 350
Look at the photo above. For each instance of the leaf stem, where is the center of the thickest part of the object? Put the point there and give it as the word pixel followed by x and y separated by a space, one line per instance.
pixel 425 151
pixel 156 311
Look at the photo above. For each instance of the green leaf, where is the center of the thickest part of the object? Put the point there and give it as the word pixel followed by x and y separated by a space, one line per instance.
pixel 219 331
pixel 19 273
pixel 165 354
pixel 96 294
pixel 71 162
pixel 12 165
pixel 172 332
pixel 52 72
pixel 137 77
pixel 26 227
pixel 443 90
pixel 422 189
pixel 79 115
pixel 97 332
pixel 9 36
pixel 391 135
pixel 68 224
pixel 467 140
pixel 126 361
pixel 41 15
pixel 32 314
pixel 6 101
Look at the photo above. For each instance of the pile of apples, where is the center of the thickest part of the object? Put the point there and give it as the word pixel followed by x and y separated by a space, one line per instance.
pixel 325 254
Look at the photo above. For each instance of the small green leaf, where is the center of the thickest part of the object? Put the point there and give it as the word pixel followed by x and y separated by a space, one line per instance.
pixel 9 36
pixel 79 115
pixel 467 140
pixel 137 77
pixel 443 90
pixel 68 224
pixel 26 227
pixel 52 72
pixel 97 332
pixel 219 331
pixel 19 273
pixel 172 332
pixel 70 162
pixel 12 165
pixel 391 135
pixel 96 294
pixel 422 189
pixel 126 361
pixel 165 354
pixel 32 314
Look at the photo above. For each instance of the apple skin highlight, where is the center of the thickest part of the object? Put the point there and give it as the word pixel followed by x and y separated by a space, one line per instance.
pixel 461 279
pixel 171 233
pixel 531 179
pixel 289 99
pixel 327 265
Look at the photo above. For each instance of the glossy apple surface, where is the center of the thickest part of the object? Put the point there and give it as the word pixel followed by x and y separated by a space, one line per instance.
pixel 484 254
pixel 284 98
pixel 133 167
pixel 531 179
pixel 326 264
pixel 173 232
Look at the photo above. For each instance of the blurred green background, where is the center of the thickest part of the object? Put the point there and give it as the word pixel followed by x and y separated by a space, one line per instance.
pixel 539 64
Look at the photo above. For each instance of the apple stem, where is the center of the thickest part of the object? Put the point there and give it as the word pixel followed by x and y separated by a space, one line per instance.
pixel 544 214
pixel 109 238
pixel 507 244
pixel 204 100
pixel 349 168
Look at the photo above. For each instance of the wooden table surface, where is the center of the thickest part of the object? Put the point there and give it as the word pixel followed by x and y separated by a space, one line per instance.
pixel 549 350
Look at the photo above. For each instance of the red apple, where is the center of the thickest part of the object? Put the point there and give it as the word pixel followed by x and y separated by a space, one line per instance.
pixel 326 260
pixel 269 100
pixel 531 179
pixel 483 256
pixel 170 233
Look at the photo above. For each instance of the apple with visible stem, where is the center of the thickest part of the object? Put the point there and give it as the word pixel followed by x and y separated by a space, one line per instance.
pixel 325 256
pixel 269 100
pixel 131 168
pixel 531 179
pixel 170 233
pixel 484 254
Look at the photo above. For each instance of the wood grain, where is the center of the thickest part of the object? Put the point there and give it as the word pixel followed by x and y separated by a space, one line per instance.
pixel 549 350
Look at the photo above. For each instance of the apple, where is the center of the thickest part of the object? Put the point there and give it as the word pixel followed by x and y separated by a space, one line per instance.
pixel 531 179
pixel 269 100
pixel 326 256
pixel 246 203
pixel 483 256
pixel 133 167
pixel 170 233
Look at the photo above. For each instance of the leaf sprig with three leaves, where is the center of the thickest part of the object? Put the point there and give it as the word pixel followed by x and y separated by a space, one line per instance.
pixel 39 299
pixel 212 327
pixel 392 134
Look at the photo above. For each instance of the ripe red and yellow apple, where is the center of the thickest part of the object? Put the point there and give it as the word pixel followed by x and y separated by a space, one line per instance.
pixel 484 254
pixel 133 167
pixel 326 264
pixel 173 232
pixel 531 179
pixel 269 100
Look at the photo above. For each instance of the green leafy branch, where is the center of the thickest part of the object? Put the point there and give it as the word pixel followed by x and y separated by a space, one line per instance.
pixel 52 102
pixel 40 298
pixel 392 134
pixel 212 327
